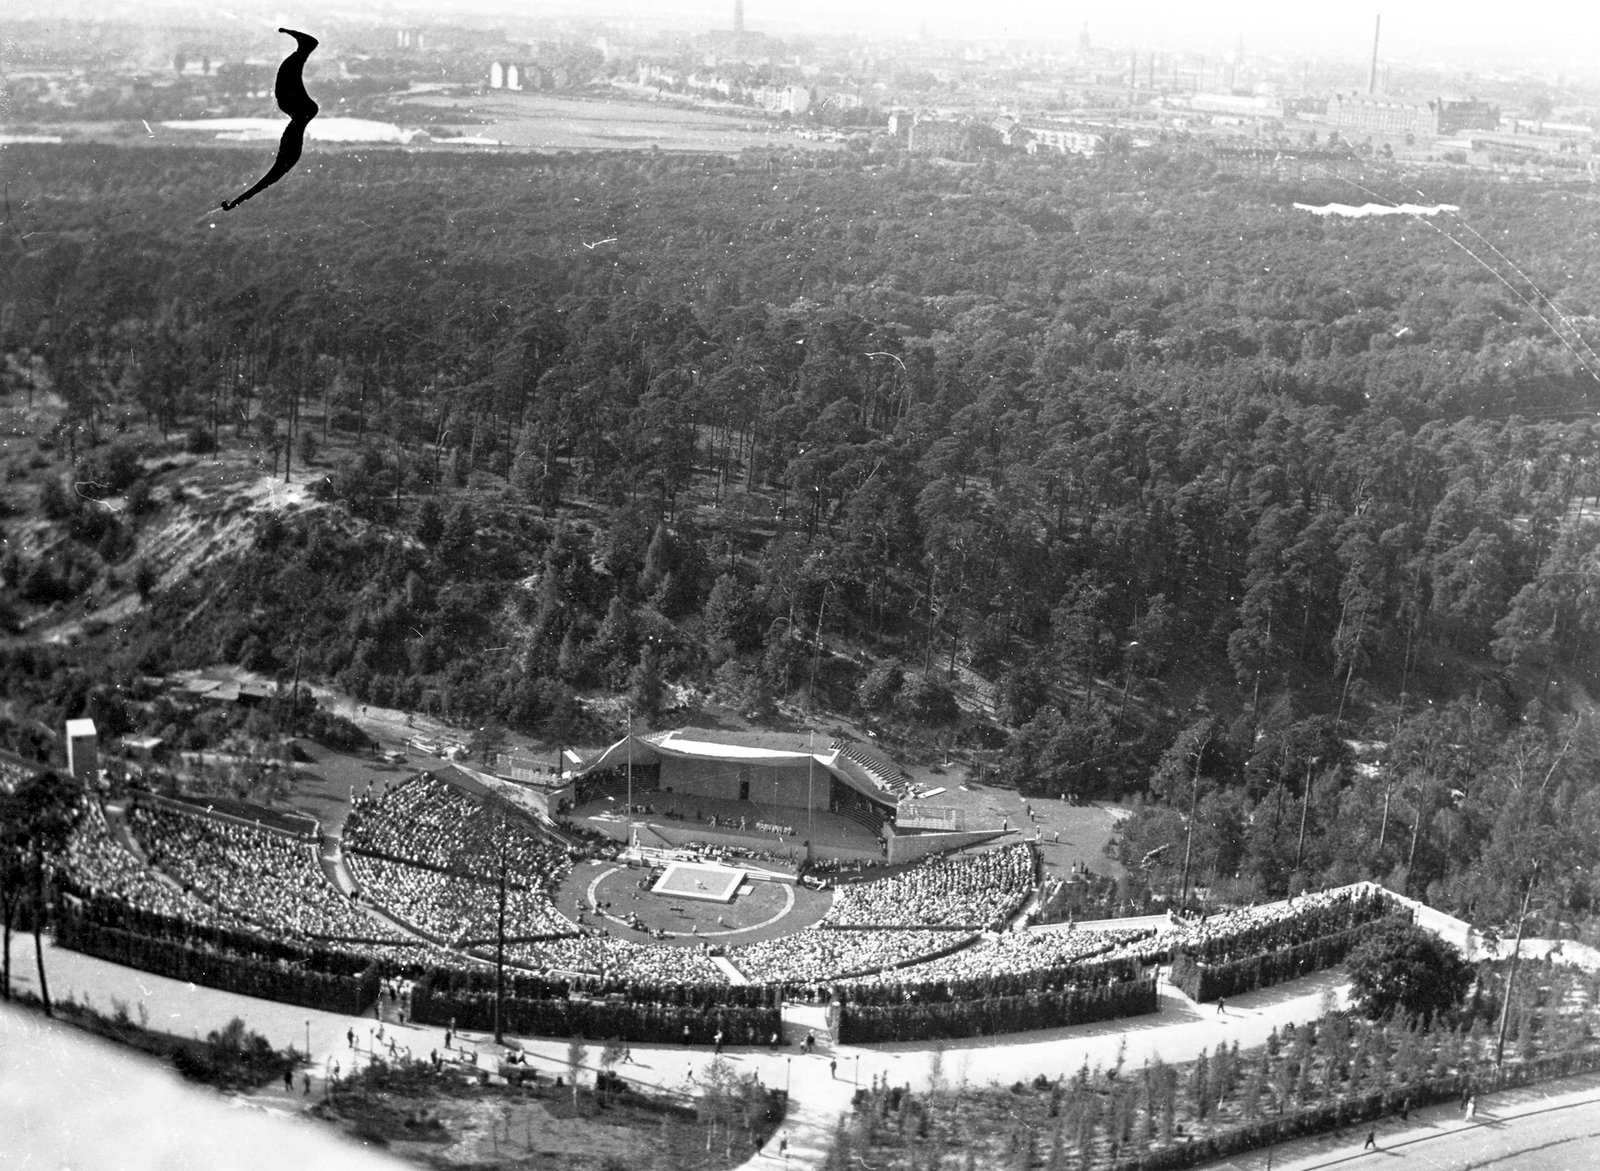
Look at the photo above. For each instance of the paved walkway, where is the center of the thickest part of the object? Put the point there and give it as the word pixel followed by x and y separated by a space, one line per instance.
pixel 820 1084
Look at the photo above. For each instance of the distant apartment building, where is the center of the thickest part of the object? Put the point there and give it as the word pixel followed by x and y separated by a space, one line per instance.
pixel 1386 115
pixel 1039 134
pixel 526 76
pixel 936 136
pixel 1064 140
pixel 783 99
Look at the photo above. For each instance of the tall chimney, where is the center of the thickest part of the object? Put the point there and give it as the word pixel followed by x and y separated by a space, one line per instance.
pixel 1372 74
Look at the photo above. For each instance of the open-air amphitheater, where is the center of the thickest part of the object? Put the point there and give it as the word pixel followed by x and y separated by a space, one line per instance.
pixel 436 875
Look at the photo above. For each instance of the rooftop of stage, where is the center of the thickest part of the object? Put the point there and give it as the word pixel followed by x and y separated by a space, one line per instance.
pixel 855 765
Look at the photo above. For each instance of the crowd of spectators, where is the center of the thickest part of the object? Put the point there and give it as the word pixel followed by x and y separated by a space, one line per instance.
pixel 265 877
pixel 976 891
pixel 820 956
pixel 430 822
pixel 620 959
pixel 452 906
pixel 1020 953
pixel 97 865
pixel 1265 927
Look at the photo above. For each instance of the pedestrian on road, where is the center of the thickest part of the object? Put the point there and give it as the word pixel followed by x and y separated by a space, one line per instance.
pixel 288 1081
pixel 350 1036
pixel 691 1071
pixel 811 1040
pixel 1222 1007
pixel 833 1069
pixel 627 1057
pixel 1405 1110
pixel 783 1147
pixel 718 1050
pixel 1372 1140
pixel 448 1037
pixel 1472 1106
pixel 774 1042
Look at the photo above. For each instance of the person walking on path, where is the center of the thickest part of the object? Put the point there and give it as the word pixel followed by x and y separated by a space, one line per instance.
pixel 1472 1106
pixel 288 1081
pixel 833 1069
pixel 1372 1140
pixel 783 1147
pixel 627 1056
pixel 350 1036
pixel 1222 1007
pixel 718 1039
pixel 685 1034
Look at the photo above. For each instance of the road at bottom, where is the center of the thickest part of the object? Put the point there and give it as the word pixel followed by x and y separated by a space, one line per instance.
pixel 1553 1126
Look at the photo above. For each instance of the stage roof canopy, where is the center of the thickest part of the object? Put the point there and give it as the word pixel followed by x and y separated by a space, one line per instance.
pixel 768 748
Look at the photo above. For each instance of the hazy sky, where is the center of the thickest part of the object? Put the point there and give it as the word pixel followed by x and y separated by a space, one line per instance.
pixel 1415 29
pixel 1556 34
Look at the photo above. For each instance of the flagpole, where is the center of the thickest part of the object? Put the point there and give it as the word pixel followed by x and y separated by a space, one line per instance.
pixel 811 765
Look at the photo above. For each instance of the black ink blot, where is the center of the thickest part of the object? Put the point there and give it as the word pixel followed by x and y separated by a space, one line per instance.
pixel 290 91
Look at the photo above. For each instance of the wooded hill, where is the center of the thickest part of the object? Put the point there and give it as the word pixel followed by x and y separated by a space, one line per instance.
pixel 1119 442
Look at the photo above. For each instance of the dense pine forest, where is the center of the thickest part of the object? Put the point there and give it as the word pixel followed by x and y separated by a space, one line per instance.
pixel 1123 477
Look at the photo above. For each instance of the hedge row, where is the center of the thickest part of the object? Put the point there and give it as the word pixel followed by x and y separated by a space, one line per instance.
pixel 1203 981
pixel 1062 977
pixel 197 964
pixel 596 1019
pixel 864 1024
pixel 1308 924
pixel 1334 1115
pixel 459 982
pixel 111 912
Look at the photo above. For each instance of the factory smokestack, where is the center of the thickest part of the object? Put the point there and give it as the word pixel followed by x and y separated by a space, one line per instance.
pixel 1372 74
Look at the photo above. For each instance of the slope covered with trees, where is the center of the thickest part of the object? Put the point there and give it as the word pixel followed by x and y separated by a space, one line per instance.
pixel 1094 446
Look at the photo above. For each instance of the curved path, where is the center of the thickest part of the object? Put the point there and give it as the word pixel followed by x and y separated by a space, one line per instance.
pixel 1178 1033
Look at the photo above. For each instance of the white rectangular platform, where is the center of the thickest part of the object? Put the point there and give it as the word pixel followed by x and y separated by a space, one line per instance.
pixel 697 880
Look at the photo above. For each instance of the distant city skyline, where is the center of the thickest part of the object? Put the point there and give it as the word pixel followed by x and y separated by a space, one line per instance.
pixel 1542 35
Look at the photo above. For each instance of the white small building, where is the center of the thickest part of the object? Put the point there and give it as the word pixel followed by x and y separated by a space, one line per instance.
pixel 83 751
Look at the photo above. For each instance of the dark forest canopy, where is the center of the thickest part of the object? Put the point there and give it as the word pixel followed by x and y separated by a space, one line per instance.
pixel 1120 437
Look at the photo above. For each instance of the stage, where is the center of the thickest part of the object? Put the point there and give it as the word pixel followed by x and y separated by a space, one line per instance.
pixel 683 817
pixel 698 880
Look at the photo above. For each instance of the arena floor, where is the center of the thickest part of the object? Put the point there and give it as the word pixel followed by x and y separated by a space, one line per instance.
pixel 761 910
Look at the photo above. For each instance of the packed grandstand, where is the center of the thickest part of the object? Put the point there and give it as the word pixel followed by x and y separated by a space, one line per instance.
pixel 908 955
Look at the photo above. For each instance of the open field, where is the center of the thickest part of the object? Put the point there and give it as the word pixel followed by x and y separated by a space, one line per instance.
pixel 491 120
pixel 562 123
